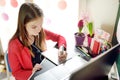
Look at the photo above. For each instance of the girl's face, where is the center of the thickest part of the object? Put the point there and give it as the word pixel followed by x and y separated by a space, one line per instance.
pixel 34 27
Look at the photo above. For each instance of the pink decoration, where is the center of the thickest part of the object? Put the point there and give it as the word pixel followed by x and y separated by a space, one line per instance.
pixel 14 3
pixel 48 21
pixel 2 2
pixel 85 16
pixel 62 4
pixel 80 25
pixel 5 16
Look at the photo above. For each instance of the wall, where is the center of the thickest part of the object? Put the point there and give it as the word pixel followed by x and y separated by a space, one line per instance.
pixel 58 18
pixel 61 16
pixel 8 20
pixel 62 21
pixel 103 13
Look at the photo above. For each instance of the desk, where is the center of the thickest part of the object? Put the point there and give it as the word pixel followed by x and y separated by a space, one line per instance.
pixel 73 63
pixel 52 54
pixel 63 70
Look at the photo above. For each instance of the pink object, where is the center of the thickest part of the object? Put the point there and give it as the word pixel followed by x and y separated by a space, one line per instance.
pixel 14 3
pixel 48 21
pixel 5 16
pixel 62 4
pixel 2 2
pixel 80 23
pixel 95 47
pixel 89 39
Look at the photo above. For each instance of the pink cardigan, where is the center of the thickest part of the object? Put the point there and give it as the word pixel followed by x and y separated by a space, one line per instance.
pixel 20 59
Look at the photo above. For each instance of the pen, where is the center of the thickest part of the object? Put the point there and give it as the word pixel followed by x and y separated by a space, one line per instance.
pixel 84 52
pixel 66 60
pixel 61 50
pixel 81 52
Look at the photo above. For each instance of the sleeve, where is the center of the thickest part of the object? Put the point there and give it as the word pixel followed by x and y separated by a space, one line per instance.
pixel 56 38
pixel 17 70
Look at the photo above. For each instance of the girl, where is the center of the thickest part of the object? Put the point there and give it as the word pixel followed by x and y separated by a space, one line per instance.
pixel 25 47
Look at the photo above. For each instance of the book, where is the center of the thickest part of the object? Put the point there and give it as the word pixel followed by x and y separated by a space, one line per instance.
pixel 46 65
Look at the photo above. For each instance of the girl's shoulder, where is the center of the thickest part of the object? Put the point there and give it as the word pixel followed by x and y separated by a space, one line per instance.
pixel 15 42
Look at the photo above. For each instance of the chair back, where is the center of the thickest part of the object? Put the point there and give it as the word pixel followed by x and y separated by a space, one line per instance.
pixel 8 69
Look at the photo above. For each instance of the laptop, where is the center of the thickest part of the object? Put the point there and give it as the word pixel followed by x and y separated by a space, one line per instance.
pixel 99 67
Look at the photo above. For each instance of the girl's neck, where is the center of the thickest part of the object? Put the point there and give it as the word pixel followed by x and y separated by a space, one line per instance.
pixel 31 39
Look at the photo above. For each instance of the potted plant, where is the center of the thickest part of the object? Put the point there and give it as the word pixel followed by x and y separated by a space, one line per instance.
pixel 90 30
pixel 79 36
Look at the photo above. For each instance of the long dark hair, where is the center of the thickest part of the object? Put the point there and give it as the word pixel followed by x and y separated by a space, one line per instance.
pixel 27 13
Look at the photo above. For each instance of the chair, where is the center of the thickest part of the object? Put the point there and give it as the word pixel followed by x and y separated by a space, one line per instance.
pixel 8 70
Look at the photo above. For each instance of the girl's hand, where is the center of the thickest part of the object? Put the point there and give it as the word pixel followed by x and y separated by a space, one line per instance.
pixel 36 67
pixel 62 56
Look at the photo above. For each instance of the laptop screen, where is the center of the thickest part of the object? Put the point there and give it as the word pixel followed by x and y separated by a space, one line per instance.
pixel 99 67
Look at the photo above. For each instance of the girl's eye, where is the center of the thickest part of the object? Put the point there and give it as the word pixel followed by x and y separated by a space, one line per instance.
pixel 33 27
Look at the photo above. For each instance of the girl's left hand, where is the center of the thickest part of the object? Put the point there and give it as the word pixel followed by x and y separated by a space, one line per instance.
pixel 36 67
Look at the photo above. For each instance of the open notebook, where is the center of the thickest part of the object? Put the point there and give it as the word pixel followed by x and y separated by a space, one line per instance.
pixel 52 55
pixel 63 71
